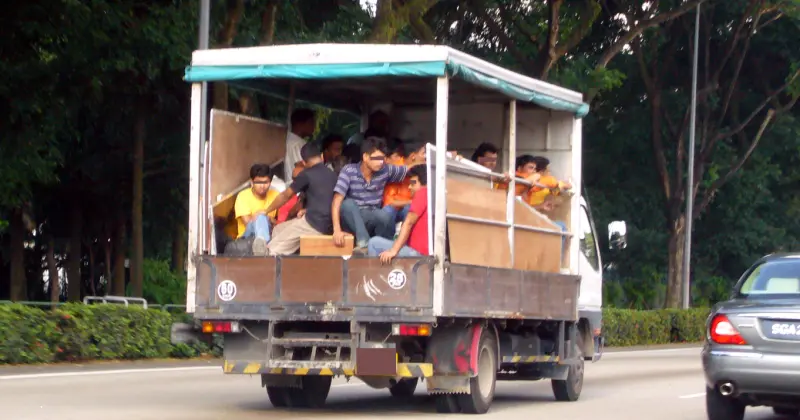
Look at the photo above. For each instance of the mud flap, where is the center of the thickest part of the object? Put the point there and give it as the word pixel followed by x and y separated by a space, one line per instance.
pixel 453 351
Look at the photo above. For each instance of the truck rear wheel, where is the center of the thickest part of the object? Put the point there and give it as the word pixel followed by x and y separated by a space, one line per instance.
pixel 482 386
pixel 278 396
pixel 570 388
pixel 313 392
pixel 404 388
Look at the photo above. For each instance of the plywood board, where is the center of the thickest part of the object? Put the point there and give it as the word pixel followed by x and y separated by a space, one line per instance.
pixel 537 251
pixel 477 244
pixel 322 245
pixel 468 199
pixel 237 142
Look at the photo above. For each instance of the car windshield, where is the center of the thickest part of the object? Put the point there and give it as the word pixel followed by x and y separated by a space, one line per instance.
pixel 773 279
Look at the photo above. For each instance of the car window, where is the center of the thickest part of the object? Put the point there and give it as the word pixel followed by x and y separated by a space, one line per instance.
pixel 587 241
pixel 772 278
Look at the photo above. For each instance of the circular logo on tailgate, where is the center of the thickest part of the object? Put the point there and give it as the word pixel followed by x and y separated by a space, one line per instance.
pixel 396 279
pixel 226 290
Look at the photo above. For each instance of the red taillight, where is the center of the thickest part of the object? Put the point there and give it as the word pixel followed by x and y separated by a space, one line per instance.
pixel 411 329
pixel 722 331
pixel 220 327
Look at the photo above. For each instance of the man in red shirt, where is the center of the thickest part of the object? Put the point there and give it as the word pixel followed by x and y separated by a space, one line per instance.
pixel 413 238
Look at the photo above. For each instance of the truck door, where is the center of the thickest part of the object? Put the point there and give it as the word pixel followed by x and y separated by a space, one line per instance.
pixel 591 296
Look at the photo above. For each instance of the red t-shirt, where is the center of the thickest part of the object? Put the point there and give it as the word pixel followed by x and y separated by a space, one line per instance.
pixel 418 239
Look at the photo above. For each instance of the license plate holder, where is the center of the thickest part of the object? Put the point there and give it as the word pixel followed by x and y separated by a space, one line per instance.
pixel 776 329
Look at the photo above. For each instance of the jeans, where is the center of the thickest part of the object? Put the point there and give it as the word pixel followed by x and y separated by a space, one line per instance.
pixel 258 228
pixel 398 215
pixel 365 222
pixel 377 245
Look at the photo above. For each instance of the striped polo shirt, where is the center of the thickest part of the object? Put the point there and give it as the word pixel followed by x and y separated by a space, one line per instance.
pixel 351 184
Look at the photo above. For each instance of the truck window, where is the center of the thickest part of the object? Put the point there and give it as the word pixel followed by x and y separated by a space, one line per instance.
pixel 587 240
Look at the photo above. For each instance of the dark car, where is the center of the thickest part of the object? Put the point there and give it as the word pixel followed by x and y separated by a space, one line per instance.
pixel 751 355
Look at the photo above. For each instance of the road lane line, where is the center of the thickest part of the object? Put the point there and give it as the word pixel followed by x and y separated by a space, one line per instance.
pixel 107 372
pixel 698 395
pixel 624 352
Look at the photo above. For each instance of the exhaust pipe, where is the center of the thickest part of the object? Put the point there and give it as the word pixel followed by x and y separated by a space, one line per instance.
pixel 727 389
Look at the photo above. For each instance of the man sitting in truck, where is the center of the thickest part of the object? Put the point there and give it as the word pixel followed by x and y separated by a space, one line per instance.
pixel 486 156
pixel 525 169
pixel 378 126
pixel 316 182
pixel 397 195
pixel 302 125
pixel 251 205
pixel 413 238
pixel 359 195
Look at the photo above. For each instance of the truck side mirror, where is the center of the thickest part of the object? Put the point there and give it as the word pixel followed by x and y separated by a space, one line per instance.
pixel 617 235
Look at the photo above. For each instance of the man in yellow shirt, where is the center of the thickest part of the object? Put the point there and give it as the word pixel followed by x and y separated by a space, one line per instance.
pixel 250 208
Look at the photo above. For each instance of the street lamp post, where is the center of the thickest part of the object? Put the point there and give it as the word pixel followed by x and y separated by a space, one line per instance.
pixel 687 252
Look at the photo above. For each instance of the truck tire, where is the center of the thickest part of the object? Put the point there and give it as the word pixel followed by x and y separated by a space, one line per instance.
pixel 447 404
pixel 278 396
pixel 719 407
pixel 313 392
pixel 787 412
pixel 482 386
pixel 570 389
pixel 404 388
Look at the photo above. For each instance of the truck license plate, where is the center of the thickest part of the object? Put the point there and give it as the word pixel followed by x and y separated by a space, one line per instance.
pixel 782 330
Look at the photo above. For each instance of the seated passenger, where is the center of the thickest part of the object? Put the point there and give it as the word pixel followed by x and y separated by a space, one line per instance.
pixel 251 205
pixel 289 210
pixel 547 184
pixel 302 125
pixel 525 169
pixel 359 195
pixel 316 182
pixel 397 195
pixel 378 126
pixel 415 226
pixel 486 156
pixel 332 147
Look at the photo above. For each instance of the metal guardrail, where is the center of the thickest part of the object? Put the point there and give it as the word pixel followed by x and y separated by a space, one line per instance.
pixel 88 300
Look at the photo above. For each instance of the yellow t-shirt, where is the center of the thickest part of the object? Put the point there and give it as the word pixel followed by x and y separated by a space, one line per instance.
pixel 248 203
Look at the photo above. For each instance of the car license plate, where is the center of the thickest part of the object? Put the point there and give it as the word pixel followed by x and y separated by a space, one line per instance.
pixel 782 330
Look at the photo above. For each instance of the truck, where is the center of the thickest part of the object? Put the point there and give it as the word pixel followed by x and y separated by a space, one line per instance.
pixel 505 294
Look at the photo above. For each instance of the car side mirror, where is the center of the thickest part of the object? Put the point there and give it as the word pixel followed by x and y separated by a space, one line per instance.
pixel 617 235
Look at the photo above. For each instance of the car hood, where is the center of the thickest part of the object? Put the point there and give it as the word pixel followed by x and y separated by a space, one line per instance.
pixel 737 306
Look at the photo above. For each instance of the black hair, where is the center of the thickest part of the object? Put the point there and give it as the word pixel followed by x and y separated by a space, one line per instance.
pixel 524 160
pixel 541 163
pixel 372 132
pixel 414 146
pixel 309 151
pixel 330 139
pixel 421 172
pixel 398 146
pixel 352 152
pixel 483 149
pixel 373 144
pixel 260 170
pixel 301 115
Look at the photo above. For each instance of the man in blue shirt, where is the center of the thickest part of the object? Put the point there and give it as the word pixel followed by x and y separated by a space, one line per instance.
pixel 358 196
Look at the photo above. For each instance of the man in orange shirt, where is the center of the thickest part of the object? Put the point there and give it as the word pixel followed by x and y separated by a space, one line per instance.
pixel 526 169
pixel 397 195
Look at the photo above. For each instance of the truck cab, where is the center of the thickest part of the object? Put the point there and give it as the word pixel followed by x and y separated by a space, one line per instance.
pixel 506 293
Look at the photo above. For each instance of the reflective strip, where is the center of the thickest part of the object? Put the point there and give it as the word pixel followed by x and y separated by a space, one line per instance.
pixel 530 359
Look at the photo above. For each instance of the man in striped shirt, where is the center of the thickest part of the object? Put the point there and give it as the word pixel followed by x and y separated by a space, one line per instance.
pixel 359 195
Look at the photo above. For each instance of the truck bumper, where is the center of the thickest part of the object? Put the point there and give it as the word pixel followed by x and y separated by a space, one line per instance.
pixel 402 370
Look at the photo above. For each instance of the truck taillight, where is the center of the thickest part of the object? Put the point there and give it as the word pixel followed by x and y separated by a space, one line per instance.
pixel 220 327
pixel 411 329
pixel 722 331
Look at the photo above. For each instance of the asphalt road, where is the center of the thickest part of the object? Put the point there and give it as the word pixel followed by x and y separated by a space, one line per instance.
pixel 655 384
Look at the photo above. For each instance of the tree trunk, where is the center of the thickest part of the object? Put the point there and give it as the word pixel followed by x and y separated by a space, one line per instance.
pixel 19 287
pixel 233 14
pixel 52 271
pixel 92 288
pixel 107 258
pixel 137 257
pixel 674 296
pixel 179 249
pixel 118 282
pixel 74 254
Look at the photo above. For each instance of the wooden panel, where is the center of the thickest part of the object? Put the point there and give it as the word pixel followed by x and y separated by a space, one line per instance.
pixel 237 142
pixel 474 243
pixel 254 279
pixel 528 216
pixel 322 245
pixel 537 251
pixel 465 198
pixel 368 283
pixel 311 280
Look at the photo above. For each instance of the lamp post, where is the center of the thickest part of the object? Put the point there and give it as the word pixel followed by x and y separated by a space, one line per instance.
pixel 687 252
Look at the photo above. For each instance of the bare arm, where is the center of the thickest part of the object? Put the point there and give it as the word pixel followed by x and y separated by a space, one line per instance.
pixel 405 232
pixel 336 206
pixel 279 201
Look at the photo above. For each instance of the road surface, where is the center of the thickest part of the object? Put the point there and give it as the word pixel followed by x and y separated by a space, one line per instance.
pixel 655 384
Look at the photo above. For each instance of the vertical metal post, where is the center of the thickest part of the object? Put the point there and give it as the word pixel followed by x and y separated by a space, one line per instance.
pixel 687 251
pixel 440 202
pixel 512 186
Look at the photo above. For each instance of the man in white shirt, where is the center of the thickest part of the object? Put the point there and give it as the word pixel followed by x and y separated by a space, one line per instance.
pixel 302 125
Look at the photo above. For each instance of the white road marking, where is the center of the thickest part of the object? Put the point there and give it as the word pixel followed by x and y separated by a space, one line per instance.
pixel 686 397
pixel 655 351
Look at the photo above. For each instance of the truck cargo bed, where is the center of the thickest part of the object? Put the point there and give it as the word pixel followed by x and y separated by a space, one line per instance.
pixel 299 288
